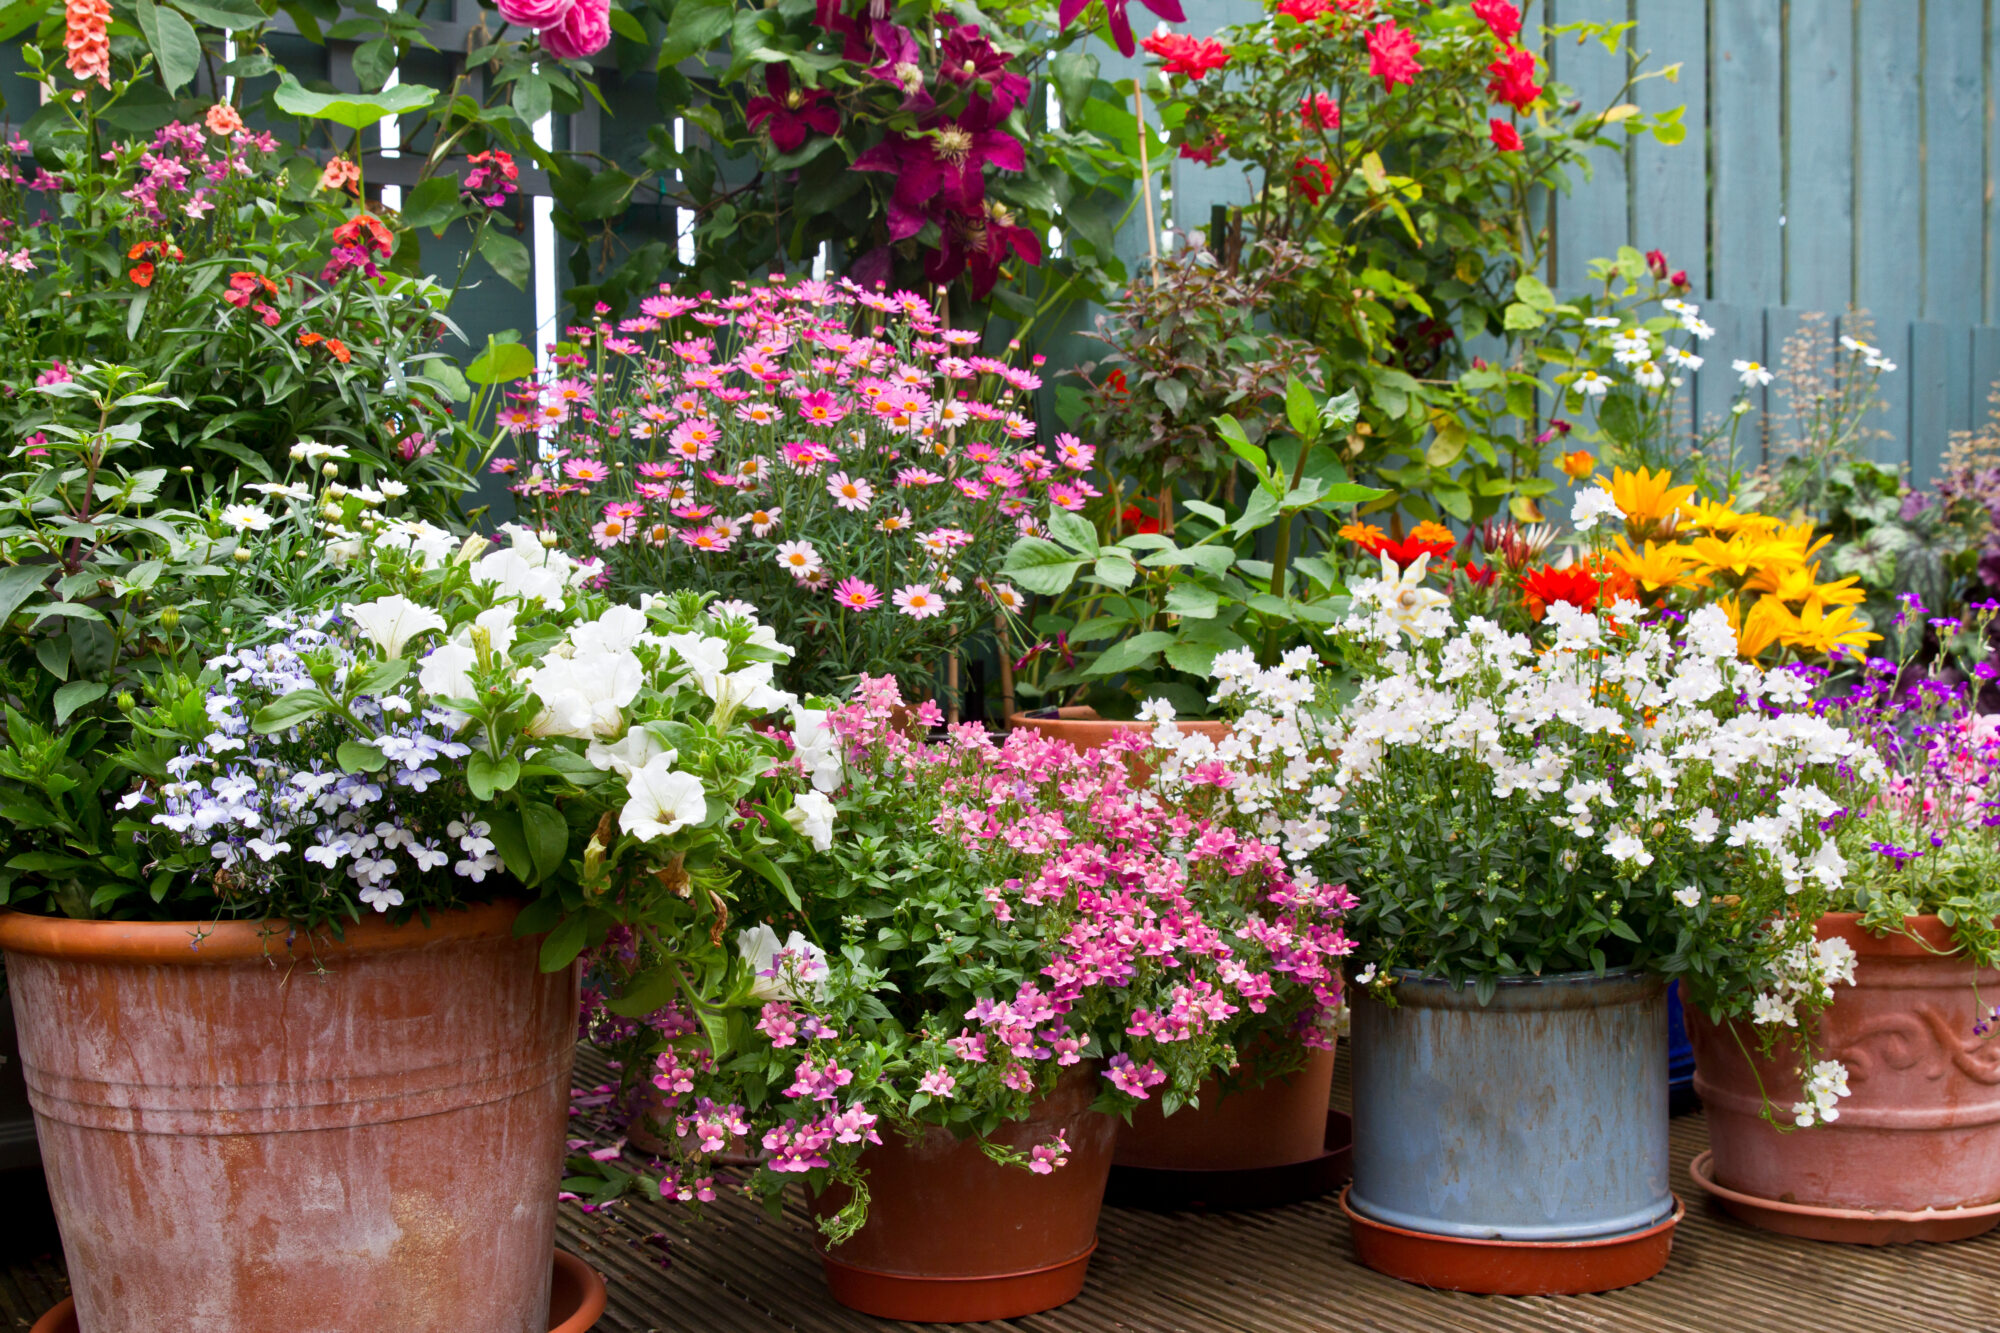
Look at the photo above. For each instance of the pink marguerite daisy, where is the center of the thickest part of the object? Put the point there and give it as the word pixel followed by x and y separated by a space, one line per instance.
pixel 918 602
pixel 857 595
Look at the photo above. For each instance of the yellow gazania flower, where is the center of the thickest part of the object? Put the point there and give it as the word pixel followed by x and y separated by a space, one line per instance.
pixel 1715 516
pixel 1819 630
pixel 1646 498
pixel 1800 583
pixel 1796 541
pixel 1738 556
pixel 1658 567
pixel 1766 624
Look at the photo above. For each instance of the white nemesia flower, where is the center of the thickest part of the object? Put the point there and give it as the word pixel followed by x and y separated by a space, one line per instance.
pixel 1592 503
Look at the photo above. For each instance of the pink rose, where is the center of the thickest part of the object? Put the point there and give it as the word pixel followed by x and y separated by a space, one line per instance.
pixel 582 33
pixel 535 13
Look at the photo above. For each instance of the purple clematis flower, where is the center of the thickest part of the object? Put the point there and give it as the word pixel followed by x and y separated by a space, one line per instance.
pixel 901 63
pixel 833 16
pixel 977 245
pixel 790 114
pixel 945 164
pixel 1121 25
pixel 968 58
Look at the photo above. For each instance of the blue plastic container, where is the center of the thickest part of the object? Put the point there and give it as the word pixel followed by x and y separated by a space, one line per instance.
pixel 1680 1055
pixel 1540 1116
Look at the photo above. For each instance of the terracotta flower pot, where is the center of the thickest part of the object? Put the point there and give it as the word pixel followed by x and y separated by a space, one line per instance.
pixel 234 1141
pixel 1256 1147
pixel 1278 1123
pixel 954 1237
pixel 1086 731
pixel 1920 1133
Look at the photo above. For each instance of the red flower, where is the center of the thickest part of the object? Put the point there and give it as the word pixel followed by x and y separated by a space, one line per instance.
pixel 1117 19
pixel 1679 278
pixel 1320 112
pixel 142 274
pixel 311 339
pixel 1135 520
pixel 1573 584
pixel 1501 17
pixel 244 285
pixel 339 350
pixel 1513 80
pixel 1204 153
pixel 1656 263
pixel 1114 383
pixel 1392 54
pixel 1304 11
pixel 364 232
pixel 1479 576
pixel 1505 137
pixel 1183 54
pixel 1312 178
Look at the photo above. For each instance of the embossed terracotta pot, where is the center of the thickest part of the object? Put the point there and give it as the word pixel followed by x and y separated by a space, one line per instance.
pixel 239 1141
pixel 954 1237
pixel 1084 729
pixel 1921 1130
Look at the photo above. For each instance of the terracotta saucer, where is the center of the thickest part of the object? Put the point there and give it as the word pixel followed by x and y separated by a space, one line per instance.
pixel 1847 1226
pixel 1513 1267
pixel 576 1301
pixel 1166 1189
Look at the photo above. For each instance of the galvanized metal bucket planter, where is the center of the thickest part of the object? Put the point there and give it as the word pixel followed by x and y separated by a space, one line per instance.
pixel 1518 1146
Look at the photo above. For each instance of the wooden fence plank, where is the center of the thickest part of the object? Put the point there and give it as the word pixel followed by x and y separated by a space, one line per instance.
pixel 1594 220
pixel 1670 183
pixel 1954 160
pixel 1746 265
pixel 1929 384
pixel 1819 156
pixel 1739 335
pixel 1985 374
pixel 1890 427
pixel 1888 265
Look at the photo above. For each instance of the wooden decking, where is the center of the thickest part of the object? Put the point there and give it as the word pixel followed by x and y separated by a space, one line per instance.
pixel 1291 1270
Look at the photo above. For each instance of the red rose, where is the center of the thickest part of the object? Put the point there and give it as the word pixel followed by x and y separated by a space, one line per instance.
pixel 1312 178
pixel 1656 263
pixel 1679 278
pixel 1501 17
pixel 1392 54
pixel 1513 80
pixel 1505 137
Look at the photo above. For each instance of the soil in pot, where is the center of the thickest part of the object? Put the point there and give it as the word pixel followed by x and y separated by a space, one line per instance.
pixel 274 1135
pixel 1920 1132
pixel 954 1237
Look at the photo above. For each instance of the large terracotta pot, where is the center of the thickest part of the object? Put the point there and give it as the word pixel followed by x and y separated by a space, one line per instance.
pixel 1920 1133
pixel 237 1141
pixel 954 1237
pixel 1277 1123
pixel 1084 729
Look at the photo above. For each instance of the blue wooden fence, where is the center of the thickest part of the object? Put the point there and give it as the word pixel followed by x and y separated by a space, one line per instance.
pixel 1840 153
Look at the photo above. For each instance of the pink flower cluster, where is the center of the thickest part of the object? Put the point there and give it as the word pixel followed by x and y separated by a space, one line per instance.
pixel 802 446
pixel 569 29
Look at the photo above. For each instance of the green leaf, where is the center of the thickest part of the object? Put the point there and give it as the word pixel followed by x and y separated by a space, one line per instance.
pixel 379 676
pixel 288 712
pixel 629 27
pixel 431 203
pixel 509 258
pixel 647 993
pixel 501 363
pixel 1173 393
pixel 1192 600
pixel 695 26
pixel 1206 510
pixel 1073 530
pixel 1214 559
pixel 1522 318
pixel 360 757
pixel 174 44
pixel 356 111
pixel 772 873
pixel 1532 292
pixel 229 15
pixel 1116 569
pixel 75 695
pixel 504 827
pixel 1340 412
pixel 1301 412
pixel 375 61
pixel 561 946
pixel 1130 654
pixel 1041 566
pixel 548 836
pixel 17 584
pixel 1257 513
pixel 1073 71
pixel 487 775
pixel 1231 431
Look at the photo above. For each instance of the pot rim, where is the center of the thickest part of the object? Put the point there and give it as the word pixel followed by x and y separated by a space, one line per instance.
pixel 1551 990
pixel 1932 937
pixel 154 943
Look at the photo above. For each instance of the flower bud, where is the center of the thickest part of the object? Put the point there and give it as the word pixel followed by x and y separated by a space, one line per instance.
pixel 240 556
pixel 329 470
pixel 126 703
pixel 170 618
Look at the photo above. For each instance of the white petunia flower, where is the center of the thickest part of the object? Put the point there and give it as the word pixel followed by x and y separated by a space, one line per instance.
pixel 661 801
pixel 391 622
